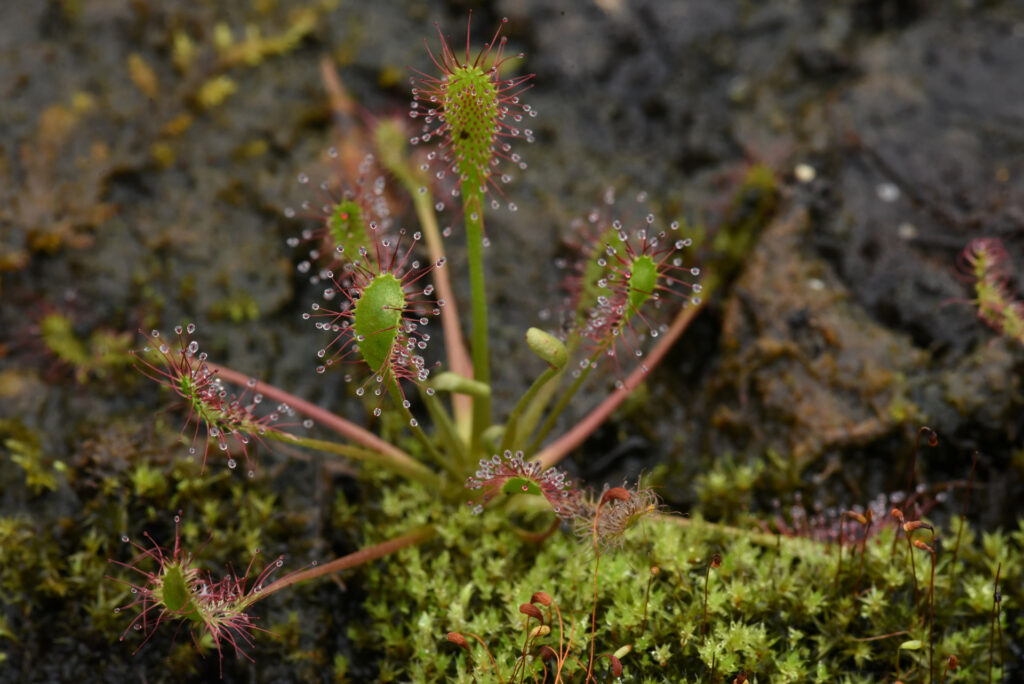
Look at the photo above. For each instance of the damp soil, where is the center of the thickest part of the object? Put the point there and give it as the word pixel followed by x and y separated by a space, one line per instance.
pixel 130 197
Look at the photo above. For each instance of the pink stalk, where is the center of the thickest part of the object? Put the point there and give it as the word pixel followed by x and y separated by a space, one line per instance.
pixel 417 536
pixel 557 450
pixel 459 361
pixel 322 416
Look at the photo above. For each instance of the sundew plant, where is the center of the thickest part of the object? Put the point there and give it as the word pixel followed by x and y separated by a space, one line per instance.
pixel 481 558
pixel 388 320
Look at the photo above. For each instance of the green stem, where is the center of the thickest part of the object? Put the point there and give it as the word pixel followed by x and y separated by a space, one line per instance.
pixel 535 410
pixel 454 344
pixel 557 450
pixel 417 431
pixel 473 210
pixel 446 430
pixel 549 422
pixel 391 147
pixel 414 470
pixel 417 536
pixel 508 440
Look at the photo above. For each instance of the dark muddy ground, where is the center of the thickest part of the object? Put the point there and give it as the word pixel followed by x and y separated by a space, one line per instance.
pixel 130 196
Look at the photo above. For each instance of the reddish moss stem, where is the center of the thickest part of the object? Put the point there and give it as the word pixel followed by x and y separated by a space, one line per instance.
pixel 963 517
pixel 992 625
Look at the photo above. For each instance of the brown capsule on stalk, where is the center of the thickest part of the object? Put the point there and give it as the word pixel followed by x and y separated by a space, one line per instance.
pixel 716 560
pixel 924 547
pixel 619 493
pixel 458 640
pixel 616 665
pixel 898 514
pixel 916 525
pixel 952 661
pixel 531 610
pixel 854 515
pixel 542 598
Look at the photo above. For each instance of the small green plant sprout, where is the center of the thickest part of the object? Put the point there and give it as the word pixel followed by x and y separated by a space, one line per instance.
pixel 224 416
pixel 986 264
pixel 175 590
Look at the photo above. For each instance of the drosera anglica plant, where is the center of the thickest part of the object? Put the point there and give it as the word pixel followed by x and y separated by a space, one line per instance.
pixel 776 599
pixel 176 590
pixel 986 264
pixel 349 218
pixel 379 299
pixel 227 418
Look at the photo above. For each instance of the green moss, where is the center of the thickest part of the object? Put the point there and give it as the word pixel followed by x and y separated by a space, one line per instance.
pixel 774 607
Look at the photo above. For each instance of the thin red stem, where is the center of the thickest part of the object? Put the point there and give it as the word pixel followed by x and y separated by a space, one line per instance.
pixel 417 536
pixel 322 416
pixel 559 449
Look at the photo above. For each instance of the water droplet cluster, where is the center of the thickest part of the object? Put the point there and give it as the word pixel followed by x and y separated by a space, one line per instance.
pixel 231 420
pixel 494 472
pixel 621 279
pixel 406 336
